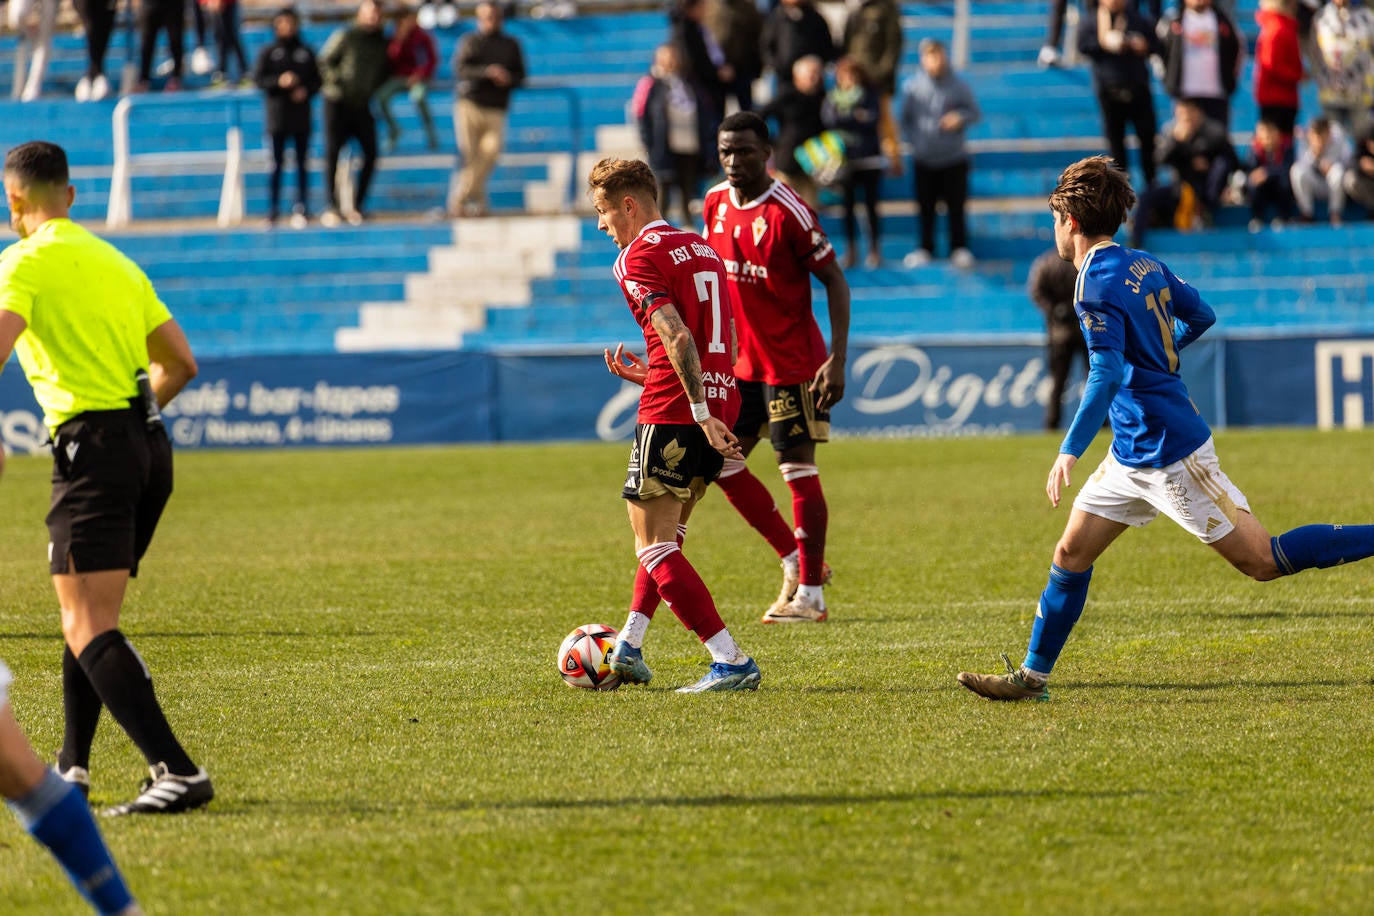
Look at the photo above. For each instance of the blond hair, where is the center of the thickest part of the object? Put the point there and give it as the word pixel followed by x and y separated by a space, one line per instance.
pixel 616 178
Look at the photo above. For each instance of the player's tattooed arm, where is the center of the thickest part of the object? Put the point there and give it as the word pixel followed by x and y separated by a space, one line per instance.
pixel 681 349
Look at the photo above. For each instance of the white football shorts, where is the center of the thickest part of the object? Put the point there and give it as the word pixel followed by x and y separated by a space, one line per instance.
pixel 4 685
pixel 1193 492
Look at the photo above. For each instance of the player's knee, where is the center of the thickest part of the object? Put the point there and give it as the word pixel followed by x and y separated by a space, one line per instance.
pixel 1259 568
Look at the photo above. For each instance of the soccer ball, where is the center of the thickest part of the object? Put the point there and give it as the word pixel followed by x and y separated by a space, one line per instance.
pixel 582 657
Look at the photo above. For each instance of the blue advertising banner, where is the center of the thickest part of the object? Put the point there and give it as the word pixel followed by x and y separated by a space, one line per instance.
pixel 270 401
pixel 897 390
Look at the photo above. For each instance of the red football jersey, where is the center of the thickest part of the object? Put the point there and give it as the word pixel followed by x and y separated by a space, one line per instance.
pixel 666 265
pixel 771 246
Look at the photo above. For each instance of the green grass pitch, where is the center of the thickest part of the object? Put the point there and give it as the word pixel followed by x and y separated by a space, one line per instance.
pixel 359 646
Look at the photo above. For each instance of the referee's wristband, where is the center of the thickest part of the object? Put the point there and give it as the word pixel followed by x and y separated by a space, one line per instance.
pixel 700 412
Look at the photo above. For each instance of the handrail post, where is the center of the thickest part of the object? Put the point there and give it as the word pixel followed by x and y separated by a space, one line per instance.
pixel 959 53
pixel 231 189
pixel 119 209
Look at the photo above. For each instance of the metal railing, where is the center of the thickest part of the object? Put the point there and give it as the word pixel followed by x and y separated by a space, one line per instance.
pixel 233 162
pixel 229 160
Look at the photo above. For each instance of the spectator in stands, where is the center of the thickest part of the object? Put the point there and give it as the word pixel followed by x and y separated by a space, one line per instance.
pixel 873 39
pixel 161 16
pixel 1267 182
pixel 854 108
pixel 488 67
pixel 36 38
pixel 413 58
pixel 353 66
pixel 793 30
pixel 1202 58
pixel 289 77
pixel 1278 63
pixel 675 135
pixel 936 111
pixel 1054 34
pixel 1051 286
pixel 797 110
pixel 1200 153
pixel 224 23
pixel 201 62
pixel 1319 172
pixel 1344 68
pixel 1119 42
pixel 97 21
pixel 703 61
pixel 738 28
pixel 1359 179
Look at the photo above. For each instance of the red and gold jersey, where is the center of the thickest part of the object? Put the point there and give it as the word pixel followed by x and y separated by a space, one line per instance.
pixel 665 265
pixel 771 246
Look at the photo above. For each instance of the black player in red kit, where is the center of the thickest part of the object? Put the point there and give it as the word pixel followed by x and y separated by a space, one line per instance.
pixel 676 288
pixel 773 244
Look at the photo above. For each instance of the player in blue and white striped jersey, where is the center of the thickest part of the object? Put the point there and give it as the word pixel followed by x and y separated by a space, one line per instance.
pixel 1136 316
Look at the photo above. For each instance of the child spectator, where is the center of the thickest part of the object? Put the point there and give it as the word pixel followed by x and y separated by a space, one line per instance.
pixel 1278 64
pixel 414 58
pixel 854 108
pixel 1267 180
pixel 289 77
pixel 1319 173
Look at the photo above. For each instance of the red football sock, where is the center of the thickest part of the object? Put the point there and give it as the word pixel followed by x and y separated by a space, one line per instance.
pixel 645 597
pixel 753 501
pixel 809 510
pixel 682 588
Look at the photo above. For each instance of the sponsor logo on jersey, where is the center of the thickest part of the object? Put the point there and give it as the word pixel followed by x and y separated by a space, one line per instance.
pixel 759 227
pixel 653 238
pixel 746 271
pixel 1093 323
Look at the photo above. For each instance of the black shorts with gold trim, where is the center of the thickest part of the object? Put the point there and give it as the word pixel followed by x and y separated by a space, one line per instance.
pixel 784 414
pixel 670 458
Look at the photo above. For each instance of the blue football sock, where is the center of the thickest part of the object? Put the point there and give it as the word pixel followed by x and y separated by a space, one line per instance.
pixel 57 815
pixel 1321 546
pixel 1061 604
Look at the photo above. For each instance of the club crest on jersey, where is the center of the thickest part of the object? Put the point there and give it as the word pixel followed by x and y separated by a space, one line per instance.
pixel 759 226
pixel 635 290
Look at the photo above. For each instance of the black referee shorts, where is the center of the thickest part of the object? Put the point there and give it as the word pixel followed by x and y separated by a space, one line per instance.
pixel 111 478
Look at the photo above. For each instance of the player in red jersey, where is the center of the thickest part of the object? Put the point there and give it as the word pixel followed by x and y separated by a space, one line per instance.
pixel 676 289
pixel 773 244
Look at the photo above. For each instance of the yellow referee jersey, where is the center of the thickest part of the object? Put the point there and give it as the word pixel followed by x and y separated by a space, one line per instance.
pixel 89 311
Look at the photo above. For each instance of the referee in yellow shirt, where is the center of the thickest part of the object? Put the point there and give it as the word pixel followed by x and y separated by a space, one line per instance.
pixel 103 354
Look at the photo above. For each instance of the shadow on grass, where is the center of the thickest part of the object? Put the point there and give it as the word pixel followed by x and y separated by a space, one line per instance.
pixel 1287 615
pixel 225 634
pixel 705 801
pixel 1205 686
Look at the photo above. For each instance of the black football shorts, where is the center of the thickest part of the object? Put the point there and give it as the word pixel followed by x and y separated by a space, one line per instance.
pixel 111 478
pixel 671 458
pixel 784 414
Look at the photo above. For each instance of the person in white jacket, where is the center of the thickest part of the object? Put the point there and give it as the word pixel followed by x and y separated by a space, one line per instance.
pixel 1344 68
pixel 1318 173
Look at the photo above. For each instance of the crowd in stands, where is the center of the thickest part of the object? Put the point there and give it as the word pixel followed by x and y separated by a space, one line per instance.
pixel 826 75
pixel 1197 52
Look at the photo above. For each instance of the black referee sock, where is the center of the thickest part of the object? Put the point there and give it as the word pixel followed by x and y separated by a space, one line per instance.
pixel 81 713
pixel 124 685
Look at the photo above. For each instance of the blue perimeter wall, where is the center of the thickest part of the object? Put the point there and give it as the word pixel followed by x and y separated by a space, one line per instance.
pixel 894 389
